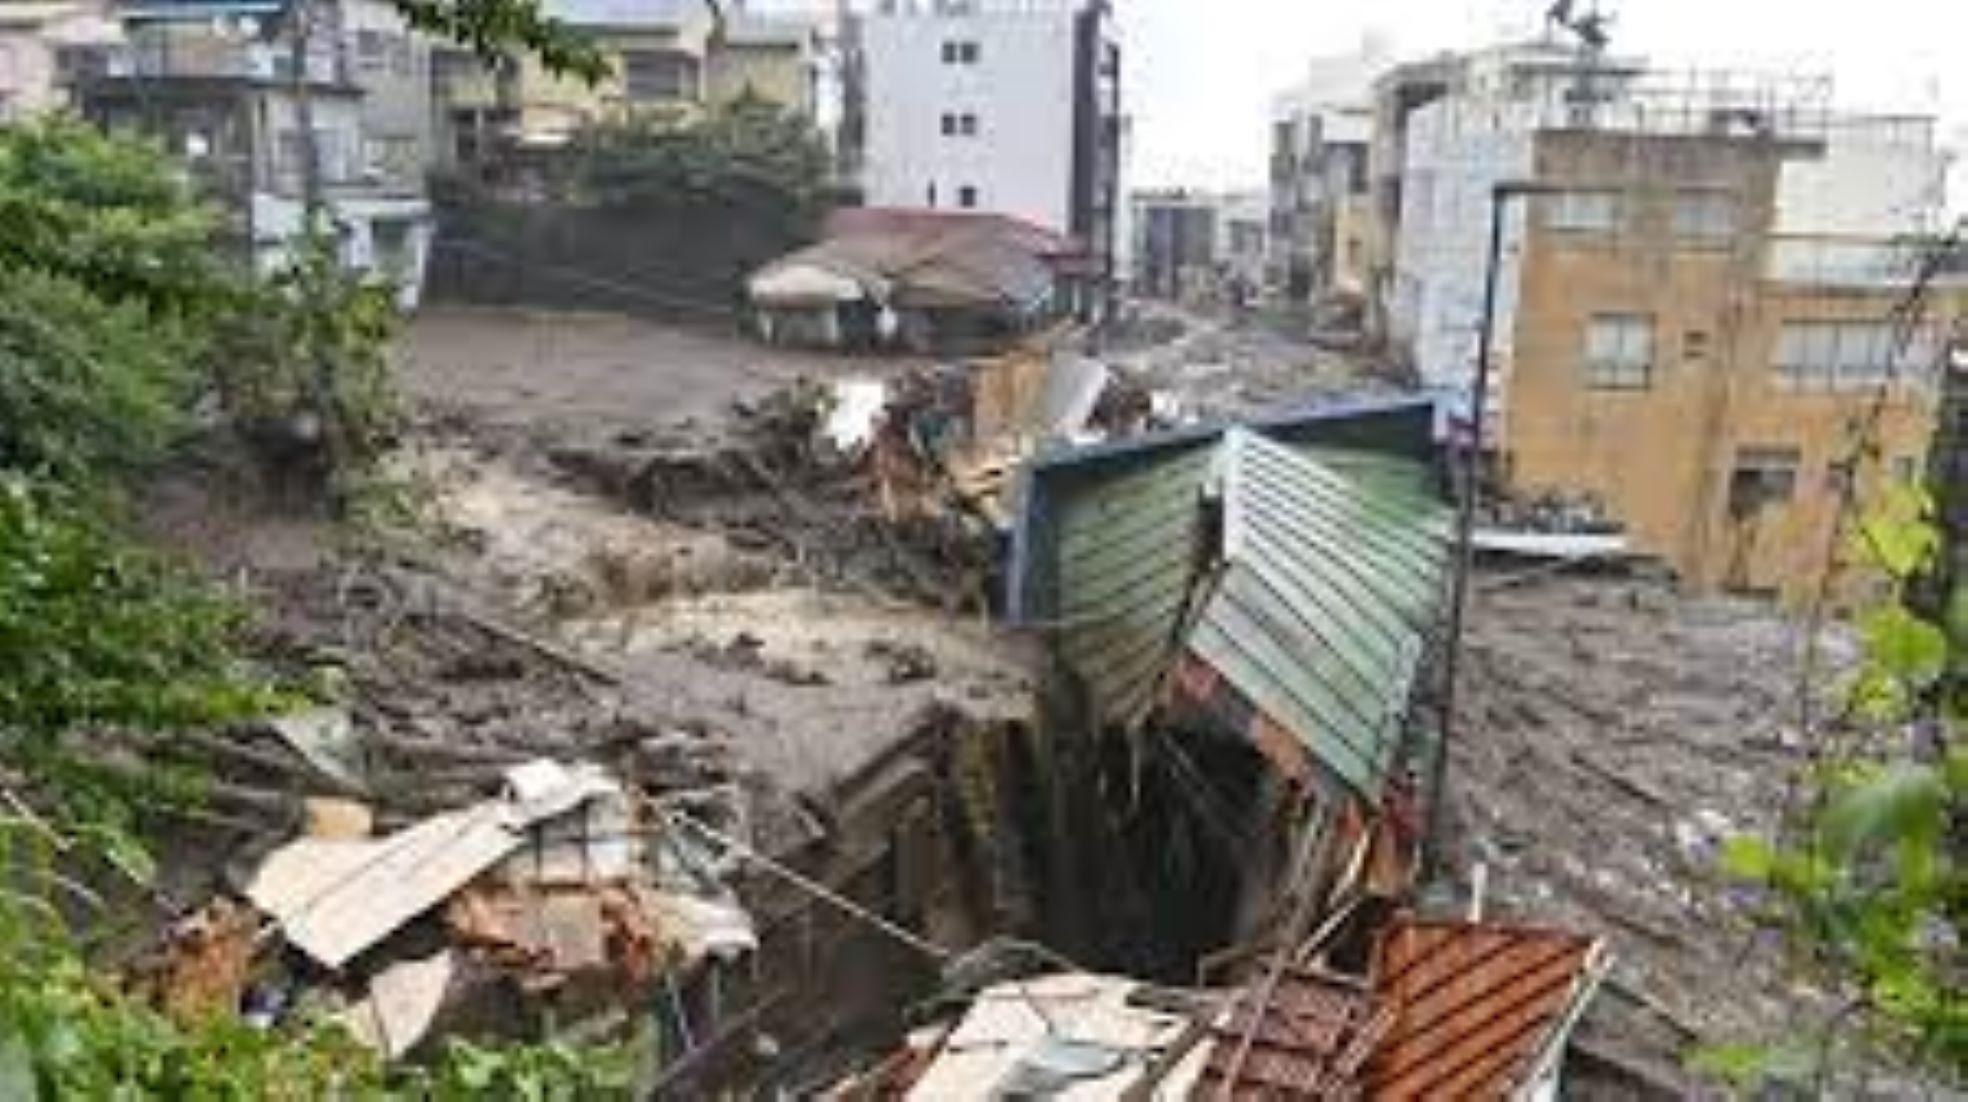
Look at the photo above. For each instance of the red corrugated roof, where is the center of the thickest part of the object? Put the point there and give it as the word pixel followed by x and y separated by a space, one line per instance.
pixel 1474 1005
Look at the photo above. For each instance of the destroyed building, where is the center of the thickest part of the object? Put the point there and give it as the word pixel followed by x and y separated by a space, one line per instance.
pixel 918 280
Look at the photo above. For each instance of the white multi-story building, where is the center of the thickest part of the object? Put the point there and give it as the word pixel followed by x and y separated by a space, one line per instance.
pixel 1851 189
pixel 1320 131
pixel 1007 106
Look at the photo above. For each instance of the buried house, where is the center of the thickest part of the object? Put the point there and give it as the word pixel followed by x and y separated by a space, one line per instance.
pixel 923 280
pixel 1244 619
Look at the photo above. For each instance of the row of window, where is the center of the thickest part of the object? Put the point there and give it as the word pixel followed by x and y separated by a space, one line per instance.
pixel 1703 216
pixel 960 52
pixel 959 124
pixel 1620 354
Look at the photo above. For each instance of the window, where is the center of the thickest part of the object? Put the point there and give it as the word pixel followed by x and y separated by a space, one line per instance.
pixel 657 75
pixel 959 124
pixel 960 53
pixel 1906 469
pixel 371 50
pixel 1847 354
pixel 1619 352
pixel 967 197
pixel 1582 211
pixel 1763 476
pixel 1704 217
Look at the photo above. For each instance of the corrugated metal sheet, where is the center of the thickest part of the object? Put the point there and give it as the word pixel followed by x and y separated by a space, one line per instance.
pixel 1322 613
pixel 1402 429
pixel 1478 1007
pixel 1128 550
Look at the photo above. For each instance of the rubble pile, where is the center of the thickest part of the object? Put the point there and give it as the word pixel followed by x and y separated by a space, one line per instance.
pixel 566 889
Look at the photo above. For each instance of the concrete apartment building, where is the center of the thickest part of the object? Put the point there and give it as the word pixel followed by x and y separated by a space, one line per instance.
pixel 1006 106
pixel 1191 244
pixel 41 44
pixel 1694 307
pixel 1321 130
pixel 666 57
pixel 215 83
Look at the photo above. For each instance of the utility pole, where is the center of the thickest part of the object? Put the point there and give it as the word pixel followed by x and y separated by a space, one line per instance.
pixel 1470 475
pixel 300 15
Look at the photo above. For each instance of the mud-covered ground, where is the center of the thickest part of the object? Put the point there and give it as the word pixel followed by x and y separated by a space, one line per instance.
pixel 1614 731
pixel 1614 734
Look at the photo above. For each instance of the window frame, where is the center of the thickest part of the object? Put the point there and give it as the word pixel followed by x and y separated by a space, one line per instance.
pixel 1761 475
pixel 683 66
pixel 1697 231
pixel 1620 371
pixel 1555 209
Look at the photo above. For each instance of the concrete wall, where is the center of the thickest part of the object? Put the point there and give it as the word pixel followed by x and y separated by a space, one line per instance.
pixel 1021 90
pixel 389 237
pixel 1453 161
pixel 398 117
pixel 776 71
pixel 1878 177
pixel 27 74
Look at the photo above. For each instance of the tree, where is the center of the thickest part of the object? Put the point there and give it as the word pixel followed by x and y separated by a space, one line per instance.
pixel 749 155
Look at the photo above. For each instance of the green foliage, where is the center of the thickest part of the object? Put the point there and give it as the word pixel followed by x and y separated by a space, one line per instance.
pixel 313 341
pixel 749 154
pixel 95 633
pixel 550 1072
pixel 86 386
pixel 1876 885
pixel 110 213
pixel 495 30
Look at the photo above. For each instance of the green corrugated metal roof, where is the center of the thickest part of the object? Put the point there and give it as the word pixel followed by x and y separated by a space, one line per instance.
pixel 1127 554
pixel 1332 582
pixel 1316 591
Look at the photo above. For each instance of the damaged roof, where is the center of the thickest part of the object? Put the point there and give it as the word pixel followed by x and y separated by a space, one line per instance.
pixel 1481 1010
pixel 917 259
pixel 1305 578
pixel 1311 1040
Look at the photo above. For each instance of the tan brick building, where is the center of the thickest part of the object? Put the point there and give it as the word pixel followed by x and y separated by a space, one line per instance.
pixel 1701 376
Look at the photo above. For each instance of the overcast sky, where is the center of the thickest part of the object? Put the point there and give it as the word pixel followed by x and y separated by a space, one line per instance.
pixel 1202 73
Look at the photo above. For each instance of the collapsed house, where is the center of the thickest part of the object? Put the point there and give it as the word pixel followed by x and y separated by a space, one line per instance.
pixel 920 280
pixel 1245 621
pixel 1449 1009
pixel 1245 616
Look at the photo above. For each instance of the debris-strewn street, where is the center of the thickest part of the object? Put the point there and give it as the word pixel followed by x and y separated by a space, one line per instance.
pixel 1616 735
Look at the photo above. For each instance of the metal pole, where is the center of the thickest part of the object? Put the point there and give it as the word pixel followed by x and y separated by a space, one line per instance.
pixel 1472 461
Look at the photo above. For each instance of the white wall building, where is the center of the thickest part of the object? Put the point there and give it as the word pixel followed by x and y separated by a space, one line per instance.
pixel 1010 106
pixel 1320 130
pixel 1838 211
